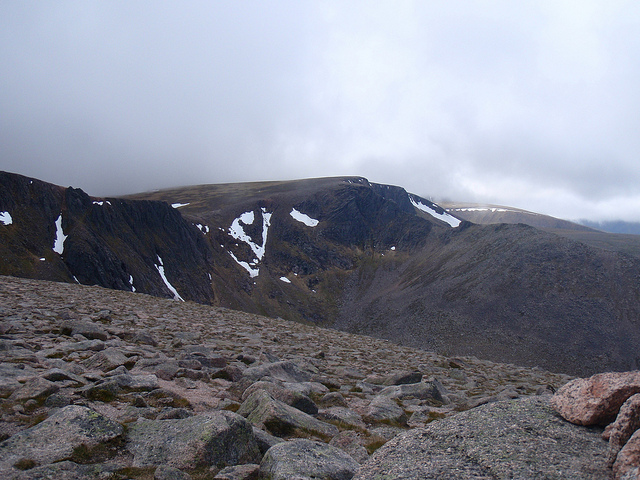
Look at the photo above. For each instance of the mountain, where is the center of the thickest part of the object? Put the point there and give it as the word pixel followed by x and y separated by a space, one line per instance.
pixel 616 236
pixel 343 253
pixel 491 214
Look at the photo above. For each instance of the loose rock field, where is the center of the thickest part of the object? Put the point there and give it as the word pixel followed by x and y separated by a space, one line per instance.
pixel 119 381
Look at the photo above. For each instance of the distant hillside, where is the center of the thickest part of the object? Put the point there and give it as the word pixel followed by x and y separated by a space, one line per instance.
pixel 344 253
pixel 491 214
pixel 614 236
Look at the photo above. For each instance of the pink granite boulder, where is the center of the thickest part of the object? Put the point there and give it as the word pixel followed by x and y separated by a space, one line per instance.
pixel 595 400
pixel 628 461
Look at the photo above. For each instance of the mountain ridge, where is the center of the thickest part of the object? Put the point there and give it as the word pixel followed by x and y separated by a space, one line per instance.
pixel 361 257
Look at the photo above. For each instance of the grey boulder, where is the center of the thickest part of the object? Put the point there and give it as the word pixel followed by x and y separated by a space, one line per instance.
pixel 216 439
pixel 521 438
pixel 303 459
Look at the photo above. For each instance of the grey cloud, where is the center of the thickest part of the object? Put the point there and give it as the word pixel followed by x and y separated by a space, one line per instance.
pixel 524 103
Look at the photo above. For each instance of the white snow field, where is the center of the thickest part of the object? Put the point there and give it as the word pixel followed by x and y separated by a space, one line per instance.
pixel 303 218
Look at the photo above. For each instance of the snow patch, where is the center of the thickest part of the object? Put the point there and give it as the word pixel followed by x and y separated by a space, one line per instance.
pixel 133 289
pixel 285 279
pixel 392 248
pixel 445 217
pixel 236 230
pixel 178 205
pixel 160 268
pixel 5 218
pixel 58 244
pixel 102 202
pixel 253 272
pixel 303 218
pixel 479 209
pixel 202 228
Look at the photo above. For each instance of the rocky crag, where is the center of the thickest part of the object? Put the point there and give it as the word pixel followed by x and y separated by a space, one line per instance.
pixel 96 383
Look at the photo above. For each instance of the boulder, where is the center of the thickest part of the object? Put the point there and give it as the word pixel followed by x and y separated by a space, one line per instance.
pixel 265 440
pixel 164 472
pixel 278 418
pixel 342 416
pixel 422 391
pixel 595 400
pixel 627 422
pixel 106 360
pixel 382 409
pixel 521 438
pixel 403 378
pixel 627 461
pixel 35 388
pixel 218 438
pixel 303 459
pixel 290 397
pixel 285 371
pixel 250 471
pixel 71 431
pixel 88 330
pixel 67 470
pixel 349 442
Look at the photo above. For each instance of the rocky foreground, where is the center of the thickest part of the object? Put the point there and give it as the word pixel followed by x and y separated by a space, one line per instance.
pixel 97 383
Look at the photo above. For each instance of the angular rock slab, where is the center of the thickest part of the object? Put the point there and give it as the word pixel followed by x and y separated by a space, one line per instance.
pixel 58 437
pixel 303 459
pixel 521 438
pixel 627 461
pixel 218 438
pixel 595 400
pixel 262 410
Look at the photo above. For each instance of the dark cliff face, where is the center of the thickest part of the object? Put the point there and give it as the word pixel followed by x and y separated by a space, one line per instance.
pixel 113 243
pixel 343 253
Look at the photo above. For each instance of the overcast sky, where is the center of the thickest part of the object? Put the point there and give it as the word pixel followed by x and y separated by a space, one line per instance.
pixel 532 104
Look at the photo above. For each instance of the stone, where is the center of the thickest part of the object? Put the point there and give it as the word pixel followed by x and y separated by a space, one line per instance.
pixel 290 397
pixel 303 459
pixel 628 459
pixel 627 422
pixel 217 438
pixel 76 430
pixel 342 416
pixel 68 470
pixel 106 360
pixel 333 399
pixel 164 472
pixel 422 390
pixel 35 388
pixel 285 371
pixel 521 439
pixel 403 378
pixel 250 471
pixel 265 440
pixel 59 375
pixel 384 409
pixel 278 418
pixel 595 400
pixel 88 330
pixel 349 442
